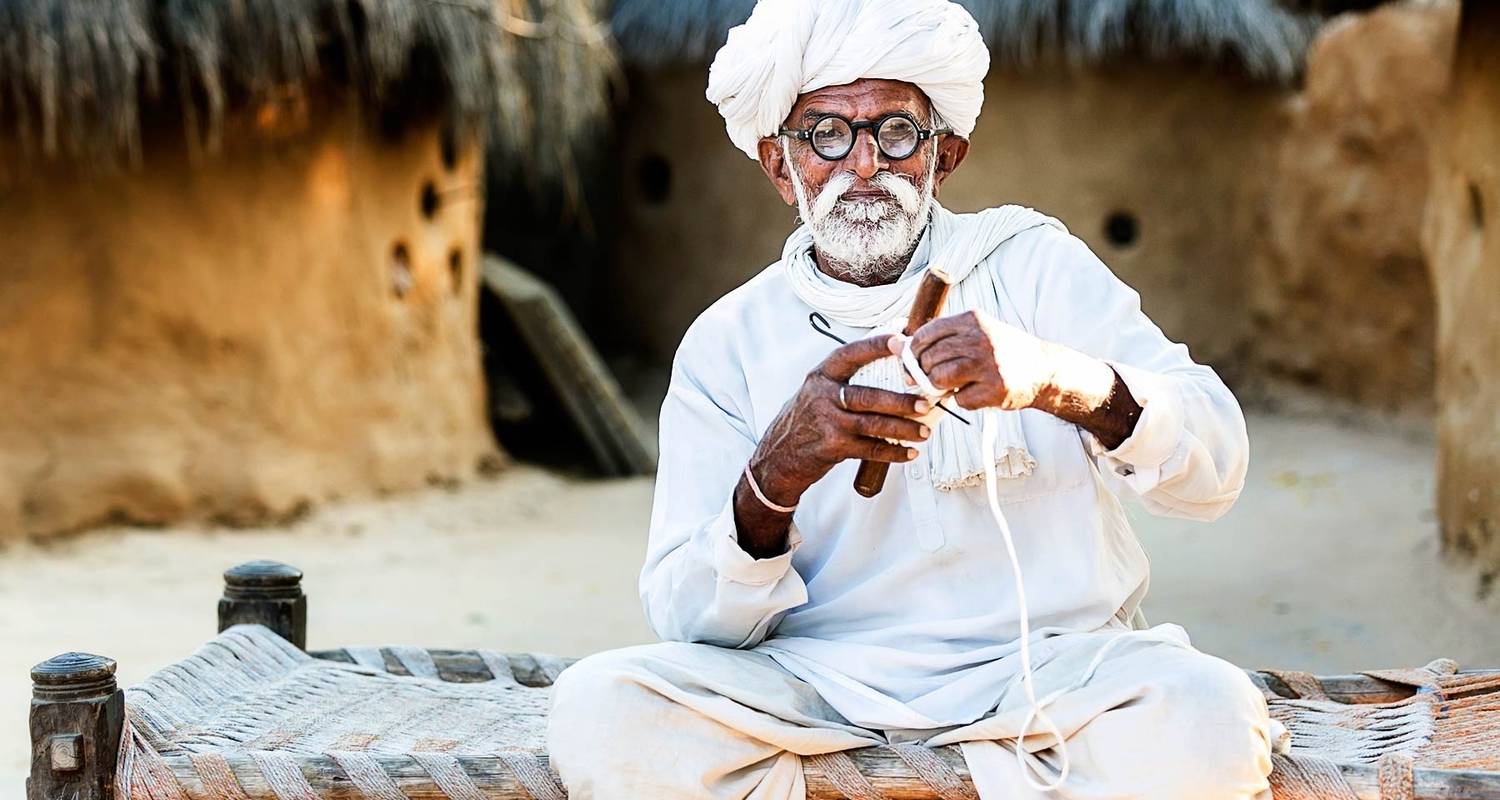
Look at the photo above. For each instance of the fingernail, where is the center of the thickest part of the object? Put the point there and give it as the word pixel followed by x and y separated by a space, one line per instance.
pixel 893 344
pixel 922 407
pixel 910 454
pixel 924 431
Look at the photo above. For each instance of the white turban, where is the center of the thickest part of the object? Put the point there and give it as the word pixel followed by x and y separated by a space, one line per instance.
pixel 790 47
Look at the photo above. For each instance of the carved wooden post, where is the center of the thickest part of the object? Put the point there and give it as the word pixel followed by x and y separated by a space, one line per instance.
pixel 1463 254
pixel 77 717
pixel 266 593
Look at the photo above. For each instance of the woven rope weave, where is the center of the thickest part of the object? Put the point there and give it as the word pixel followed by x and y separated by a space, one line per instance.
pixel 250 716
pixel 929 766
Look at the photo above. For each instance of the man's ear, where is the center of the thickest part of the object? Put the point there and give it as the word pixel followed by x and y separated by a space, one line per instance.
pixel 952 149
pixel 778 170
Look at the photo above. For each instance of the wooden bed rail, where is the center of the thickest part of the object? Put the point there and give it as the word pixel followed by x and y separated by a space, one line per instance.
pixel 465 666
pixel 78 715
pixel 885 771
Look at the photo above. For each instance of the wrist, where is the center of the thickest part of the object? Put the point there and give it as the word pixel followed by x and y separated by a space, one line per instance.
pixel 759 530
pixel 1076 384
pixel 774 484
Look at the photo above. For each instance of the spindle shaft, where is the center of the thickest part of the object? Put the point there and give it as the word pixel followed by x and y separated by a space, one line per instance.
pixel 932 293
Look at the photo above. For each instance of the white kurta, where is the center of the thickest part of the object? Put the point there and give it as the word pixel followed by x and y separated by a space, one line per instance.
pixel 900 610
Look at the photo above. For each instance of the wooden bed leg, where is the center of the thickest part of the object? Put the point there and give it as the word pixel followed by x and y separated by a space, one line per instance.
pixel 77 718
pixel 266 593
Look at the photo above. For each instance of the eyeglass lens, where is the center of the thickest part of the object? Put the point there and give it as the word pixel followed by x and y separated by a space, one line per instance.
pixel 833 138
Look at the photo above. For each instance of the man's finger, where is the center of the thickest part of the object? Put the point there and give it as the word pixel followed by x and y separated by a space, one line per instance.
pixel 939 329
pixel 947 349
pixel 877 450
pixel 954 374
pixel 882 426
pixel 841 364
pixel 867 399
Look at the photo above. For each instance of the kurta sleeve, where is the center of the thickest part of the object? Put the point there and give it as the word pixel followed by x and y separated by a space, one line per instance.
pixel 698 584
pixel 1189 452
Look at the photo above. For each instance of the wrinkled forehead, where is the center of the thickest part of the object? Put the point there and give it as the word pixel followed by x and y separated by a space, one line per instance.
pixel 866 98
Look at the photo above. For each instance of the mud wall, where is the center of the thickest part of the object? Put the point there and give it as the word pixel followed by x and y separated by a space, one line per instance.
pixel 1147 163
pixel 291 320
pixel 1154 166
pixel 1342 301
pixel 697 216
pixel 1461 241
pixel 1276 231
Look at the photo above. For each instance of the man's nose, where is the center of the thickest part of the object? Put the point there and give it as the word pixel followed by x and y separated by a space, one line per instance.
pixel 866 160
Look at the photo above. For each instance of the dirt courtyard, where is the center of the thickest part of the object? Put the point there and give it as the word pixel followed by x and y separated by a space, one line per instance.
pixel 1329 563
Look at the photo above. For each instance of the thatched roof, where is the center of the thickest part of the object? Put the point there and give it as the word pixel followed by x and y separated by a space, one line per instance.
pixel 1265 38
pixel 76 74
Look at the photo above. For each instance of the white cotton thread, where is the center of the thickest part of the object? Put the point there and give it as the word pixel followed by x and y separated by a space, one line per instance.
pixel 953 458
pixel 1036 711
pixel 914 368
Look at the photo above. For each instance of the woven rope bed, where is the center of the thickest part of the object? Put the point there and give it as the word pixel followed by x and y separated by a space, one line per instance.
pixel 251 716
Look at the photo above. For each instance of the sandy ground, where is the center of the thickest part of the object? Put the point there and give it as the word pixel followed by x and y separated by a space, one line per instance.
pixel 1328 563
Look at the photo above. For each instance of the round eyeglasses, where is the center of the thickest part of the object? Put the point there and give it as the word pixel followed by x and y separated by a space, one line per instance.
pixel 832 137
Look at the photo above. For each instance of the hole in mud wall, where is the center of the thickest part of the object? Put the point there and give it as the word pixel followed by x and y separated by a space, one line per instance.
pixel 655 176
pixel 456 270
pixel 1476 206
pixel 429 200
pixel 401 277
pixel 448 147
pixel 1121 229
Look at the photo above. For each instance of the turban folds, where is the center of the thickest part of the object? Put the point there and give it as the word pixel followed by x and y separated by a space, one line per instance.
pixel 790 47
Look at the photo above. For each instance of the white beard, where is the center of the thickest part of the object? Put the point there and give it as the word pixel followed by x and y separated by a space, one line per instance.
pixel 869 238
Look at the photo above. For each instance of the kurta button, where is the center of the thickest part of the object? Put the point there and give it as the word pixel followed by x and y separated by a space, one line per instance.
pixel 1125 470
pixel 914 471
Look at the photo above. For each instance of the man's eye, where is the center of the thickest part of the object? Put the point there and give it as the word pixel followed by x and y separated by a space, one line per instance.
pixel 898 129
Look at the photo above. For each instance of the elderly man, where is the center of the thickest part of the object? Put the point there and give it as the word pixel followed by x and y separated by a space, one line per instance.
pixel 985 596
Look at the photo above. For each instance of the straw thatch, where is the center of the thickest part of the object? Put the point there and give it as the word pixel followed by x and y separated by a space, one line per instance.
pixel 75 74
pixel 1266 39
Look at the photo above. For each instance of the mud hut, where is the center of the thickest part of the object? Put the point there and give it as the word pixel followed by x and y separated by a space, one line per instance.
pixel 241 242
pixel 1465 259
pixel 1341 298
pixel 1146 127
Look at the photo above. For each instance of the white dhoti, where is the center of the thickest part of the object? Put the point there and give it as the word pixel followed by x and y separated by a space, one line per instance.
pixel 1156 720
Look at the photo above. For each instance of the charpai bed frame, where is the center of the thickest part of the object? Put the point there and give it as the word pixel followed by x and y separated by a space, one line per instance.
pixel 1430 733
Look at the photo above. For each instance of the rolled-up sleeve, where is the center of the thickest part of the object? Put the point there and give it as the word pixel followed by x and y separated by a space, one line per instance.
pixel 1189 452
pixel 698 584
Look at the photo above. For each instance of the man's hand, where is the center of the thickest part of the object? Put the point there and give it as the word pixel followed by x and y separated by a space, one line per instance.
pixel 989 364
pixel 816 431
pixel 963 353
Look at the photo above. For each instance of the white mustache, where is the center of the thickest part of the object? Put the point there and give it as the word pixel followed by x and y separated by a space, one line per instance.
pixel 904 190
pixel 830 195
pixel 900 190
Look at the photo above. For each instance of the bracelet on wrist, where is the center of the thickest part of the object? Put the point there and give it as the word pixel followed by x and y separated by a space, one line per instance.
pixel 761 496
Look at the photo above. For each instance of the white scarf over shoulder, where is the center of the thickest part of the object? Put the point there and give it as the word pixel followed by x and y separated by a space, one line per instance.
pixel 956 244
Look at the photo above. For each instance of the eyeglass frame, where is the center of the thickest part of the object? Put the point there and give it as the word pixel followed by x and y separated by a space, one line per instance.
pixel 805 134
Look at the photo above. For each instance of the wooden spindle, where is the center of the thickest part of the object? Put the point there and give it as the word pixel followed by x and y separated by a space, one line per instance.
pixel 931 295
